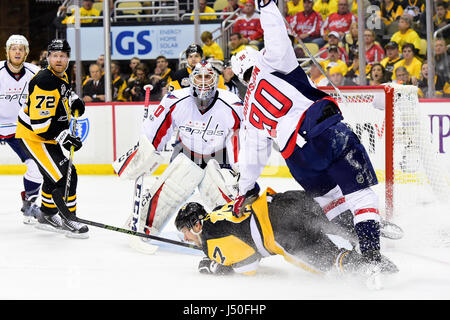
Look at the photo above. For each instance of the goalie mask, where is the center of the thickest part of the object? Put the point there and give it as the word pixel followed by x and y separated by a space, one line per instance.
pixel 204 81
pixel 189 215
pixel 243 62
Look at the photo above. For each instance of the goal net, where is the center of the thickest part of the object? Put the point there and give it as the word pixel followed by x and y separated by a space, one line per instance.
pixel 394 129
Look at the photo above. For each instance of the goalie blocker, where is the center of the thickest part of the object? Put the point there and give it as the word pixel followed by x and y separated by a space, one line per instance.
pixel 177 183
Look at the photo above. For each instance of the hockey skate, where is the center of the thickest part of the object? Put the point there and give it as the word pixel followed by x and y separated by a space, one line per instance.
pixel 50 223
pixel 75 229
pixel 30 209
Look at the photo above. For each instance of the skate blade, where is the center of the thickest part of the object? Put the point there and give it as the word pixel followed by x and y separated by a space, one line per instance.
pixel 29 221
pixel 47 227
pixel 73 235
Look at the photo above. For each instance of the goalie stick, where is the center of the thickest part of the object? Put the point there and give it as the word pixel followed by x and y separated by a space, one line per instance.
pixel 138 184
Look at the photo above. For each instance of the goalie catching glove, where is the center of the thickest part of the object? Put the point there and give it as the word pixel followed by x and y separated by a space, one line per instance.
pixel 66 139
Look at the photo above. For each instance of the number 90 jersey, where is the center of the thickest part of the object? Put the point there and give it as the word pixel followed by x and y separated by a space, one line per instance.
pixel 201 134
pixel 47 111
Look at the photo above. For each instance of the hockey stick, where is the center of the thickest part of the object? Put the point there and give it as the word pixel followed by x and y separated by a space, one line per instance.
pixel 140 180
pixel 72 149
pixel 66 214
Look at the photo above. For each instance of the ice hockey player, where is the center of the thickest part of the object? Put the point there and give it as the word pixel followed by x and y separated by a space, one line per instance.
pixel 43 127
pixel 323 155
pixel 290 224
pixel 15 74
pixel 205 154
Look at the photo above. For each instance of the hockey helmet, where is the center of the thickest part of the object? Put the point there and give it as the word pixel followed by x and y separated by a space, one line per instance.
pixel 17 39
pixel 243 62
pixel 59 45
pixel 204 81
pixel 189 215
pixel 194 48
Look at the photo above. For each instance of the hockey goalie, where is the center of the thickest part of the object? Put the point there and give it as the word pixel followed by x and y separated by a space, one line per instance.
pixel 205 152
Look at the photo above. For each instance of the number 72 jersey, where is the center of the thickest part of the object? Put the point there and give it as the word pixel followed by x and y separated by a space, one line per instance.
pixel 47 110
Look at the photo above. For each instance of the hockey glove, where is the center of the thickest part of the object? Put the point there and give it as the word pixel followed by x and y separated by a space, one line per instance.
pixel 76 104
pixel 243 200
pixel 208 266
pixel 67 140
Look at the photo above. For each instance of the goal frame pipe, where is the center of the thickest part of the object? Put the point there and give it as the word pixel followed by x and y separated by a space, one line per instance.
pixel 389 139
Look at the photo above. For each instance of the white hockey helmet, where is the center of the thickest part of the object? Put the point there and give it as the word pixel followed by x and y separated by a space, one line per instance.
pixel 204 81
pixel 243 61
pixel 17 39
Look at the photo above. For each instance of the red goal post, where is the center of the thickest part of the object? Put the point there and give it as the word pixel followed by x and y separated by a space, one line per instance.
pixel 391 125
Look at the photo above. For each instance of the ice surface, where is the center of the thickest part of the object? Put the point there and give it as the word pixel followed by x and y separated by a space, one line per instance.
pixel 36 264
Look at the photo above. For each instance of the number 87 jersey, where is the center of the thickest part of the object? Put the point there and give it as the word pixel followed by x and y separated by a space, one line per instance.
pixel 280 100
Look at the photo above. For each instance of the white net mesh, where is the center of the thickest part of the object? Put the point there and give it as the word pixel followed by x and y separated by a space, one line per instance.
pixel 420 175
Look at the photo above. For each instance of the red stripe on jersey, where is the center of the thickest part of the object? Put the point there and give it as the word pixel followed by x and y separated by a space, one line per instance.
pixel 292 142
pixel 235 137
pixel 163 128
pixel 127 162
pixel 361 211
pixel 333 204
pixel 152 209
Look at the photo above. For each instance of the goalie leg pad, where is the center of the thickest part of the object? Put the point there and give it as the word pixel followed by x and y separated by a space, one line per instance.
pixel 170 191
pixel 141 159
pixel 219 186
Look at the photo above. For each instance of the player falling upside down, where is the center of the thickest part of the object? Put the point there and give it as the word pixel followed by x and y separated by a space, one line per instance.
pixel 15 75
pixel 43 127
pixel 323 155
pixel 205 153
pixel 290 224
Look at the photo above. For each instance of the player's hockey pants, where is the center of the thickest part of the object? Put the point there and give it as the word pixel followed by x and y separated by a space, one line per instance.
pixel 53 166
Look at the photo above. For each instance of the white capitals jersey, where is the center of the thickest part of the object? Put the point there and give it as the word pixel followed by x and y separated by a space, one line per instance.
pixel 202 134
pixel 13 95
pixel 278 94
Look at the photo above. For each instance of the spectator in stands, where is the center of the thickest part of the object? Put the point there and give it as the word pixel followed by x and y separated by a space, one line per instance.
pixel 333 40
pixel 307 24
pixel 413 8
pixel 134 62
pixel 232 82
pixel 336 75
pixel 237 43
pixel 94 88
pixel 118 83
pixel 402 76
pixel 86 10
pixel 292 7
pixel 232 6
pixel 377 75
pixel 325 7
pixel 374 52
pixel 249 25
pixel 194 54
pixel 442 60
pixel 350 42
pixel 353 70
pixel 439 83
pixel 392 57
pixel 317 76
pixel 135 89
pixel 405 33
pixel 441 19
pixel 203 8
pixel 161 76
pixel 101 62
pixel 390 12
pixel 73 79
pixel 211 49
pixel 410 62
pixel 334 61
pixel 339 21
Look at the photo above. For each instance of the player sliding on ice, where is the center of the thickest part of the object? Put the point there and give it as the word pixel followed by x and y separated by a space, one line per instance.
pixel 323 155
pixel 205 154
pixel 290 224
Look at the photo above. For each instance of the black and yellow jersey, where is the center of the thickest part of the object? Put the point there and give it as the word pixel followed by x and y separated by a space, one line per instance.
pixel 181 80
pixel 242 242
pixel 47 110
